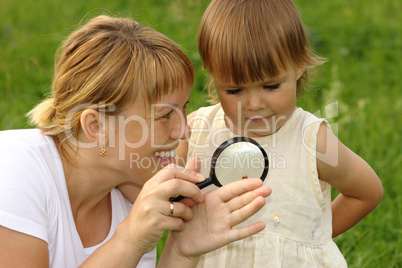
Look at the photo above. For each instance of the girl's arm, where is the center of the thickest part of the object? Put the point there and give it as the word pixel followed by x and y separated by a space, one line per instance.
pixel 213 222
pixel 359 186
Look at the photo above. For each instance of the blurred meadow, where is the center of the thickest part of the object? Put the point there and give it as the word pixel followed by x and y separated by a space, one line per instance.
pixel 357 90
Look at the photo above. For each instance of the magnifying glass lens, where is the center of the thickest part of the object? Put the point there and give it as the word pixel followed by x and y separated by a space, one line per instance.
pixel 236 159
pixel 241 160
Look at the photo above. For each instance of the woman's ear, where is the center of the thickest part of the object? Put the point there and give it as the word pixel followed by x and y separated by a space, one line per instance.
pixel 93 126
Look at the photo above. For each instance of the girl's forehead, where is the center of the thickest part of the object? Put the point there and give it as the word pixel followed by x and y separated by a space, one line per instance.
pixel 265 79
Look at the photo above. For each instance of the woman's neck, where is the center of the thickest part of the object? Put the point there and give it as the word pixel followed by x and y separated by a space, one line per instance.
pixel 89 194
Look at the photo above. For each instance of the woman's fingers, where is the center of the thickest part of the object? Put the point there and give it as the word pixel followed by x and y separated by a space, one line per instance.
pixel 174 215
pixel 173 181
pixel 174 171
pixel 170 224
pixel 194 164
pixel 179 172
pixel 179 210
pixel 176 187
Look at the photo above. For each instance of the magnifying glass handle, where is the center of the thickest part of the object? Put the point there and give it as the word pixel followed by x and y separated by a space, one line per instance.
pixel 201 185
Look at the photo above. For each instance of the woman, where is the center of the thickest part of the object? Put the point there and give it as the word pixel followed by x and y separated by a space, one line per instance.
pixel 117 110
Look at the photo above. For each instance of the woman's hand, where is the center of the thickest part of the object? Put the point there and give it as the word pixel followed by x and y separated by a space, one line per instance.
pixel 214 219
pixel 150 215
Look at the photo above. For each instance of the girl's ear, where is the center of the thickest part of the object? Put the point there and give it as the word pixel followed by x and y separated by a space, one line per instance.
pixel 93 126
pixel 299 72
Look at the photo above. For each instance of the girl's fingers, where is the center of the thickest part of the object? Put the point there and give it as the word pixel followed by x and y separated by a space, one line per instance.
pixel 237 188
pixel 242 214
pixel 244 199
pixel 243 232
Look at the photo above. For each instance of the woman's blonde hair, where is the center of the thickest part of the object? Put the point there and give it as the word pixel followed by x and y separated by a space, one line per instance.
pixel 104 65
pixel 243 41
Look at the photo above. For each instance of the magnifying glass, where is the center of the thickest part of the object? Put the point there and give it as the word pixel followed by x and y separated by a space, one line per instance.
pixel 235 159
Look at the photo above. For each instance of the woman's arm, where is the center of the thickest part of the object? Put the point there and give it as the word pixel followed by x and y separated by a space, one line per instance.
pixel 149 218
pixel 359 186
pixel 22 250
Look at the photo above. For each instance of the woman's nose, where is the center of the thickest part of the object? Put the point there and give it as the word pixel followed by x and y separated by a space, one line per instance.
pixel 181 130
pixel 185 132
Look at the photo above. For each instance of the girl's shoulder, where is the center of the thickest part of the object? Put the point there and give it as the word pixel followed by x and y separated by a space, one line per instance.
pixel 208 110
pixel 204 114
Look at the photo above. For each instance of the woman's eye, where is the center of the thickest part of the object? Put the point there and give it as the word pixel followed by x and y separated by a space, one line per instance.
pixel 167 115
pixel 234 91
pixel 272 87
pixel 185 107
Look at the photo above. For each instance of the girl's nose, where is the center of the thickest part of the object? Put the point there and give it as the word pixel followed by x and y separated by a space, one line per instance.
pixel 255 102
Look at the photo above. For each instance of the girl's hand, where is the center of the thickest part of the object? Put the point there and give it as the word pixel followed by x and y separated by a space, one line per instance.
pixel 150 215
pixel 214 219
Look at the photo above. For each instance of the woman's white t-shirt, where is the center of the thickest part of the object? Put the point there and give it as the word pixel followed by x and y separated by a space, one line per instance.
pixel 34 198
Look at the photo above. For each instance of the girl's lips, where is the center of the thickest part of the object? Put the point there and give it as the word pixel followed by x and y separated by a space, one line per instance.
pixel 260 120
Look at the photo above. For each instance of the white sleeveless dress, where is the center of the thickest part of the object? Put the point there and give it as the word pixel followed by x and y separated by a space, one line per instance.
pixel 297 213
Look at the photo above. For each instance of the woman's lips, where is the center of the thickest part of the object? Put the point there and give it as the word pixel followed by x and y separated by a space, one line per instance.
pixel 166 156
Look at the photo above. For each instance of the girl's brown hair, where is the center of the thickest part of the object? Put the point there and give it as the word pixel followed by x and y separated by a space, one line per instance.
pixel 243 41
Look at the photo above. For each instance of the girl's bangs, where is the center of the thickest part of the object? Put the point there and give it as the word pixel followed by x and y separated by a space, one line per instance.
pixel 248 63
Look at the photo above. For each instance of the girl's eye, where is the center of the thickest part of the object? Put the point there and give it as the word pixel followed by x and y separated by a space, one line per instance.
pixel 272 87
pixel 234 91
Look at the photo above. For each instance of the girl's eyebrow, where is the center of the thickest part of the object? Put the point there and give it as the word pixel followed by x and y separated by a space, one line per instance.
pixel 275 78
pixel 270 80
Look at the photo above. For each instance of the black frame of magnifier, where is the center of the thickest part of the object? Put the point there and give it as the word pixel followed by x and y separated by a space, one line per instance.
pixel 212 179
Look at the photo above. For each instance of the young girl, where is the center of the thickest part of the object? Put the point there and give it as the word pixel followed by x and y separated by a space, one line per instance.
pixel 258 56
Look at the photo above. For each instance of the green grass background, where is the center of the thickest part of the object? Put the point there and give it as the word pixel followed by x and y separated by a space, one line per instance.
pixel 362 41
